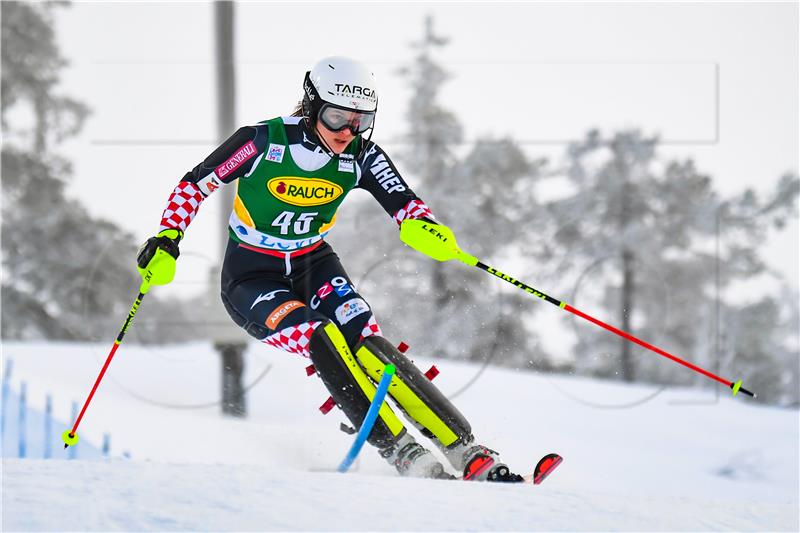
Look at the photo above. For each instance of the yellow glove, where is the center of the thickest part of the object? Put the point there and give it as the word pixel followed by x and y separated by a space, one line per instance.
pixel 434 240
pixel 156 258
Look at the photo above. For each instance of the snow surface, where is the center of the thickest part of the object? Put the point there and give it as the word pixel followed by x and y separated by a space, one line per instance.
pixel 683 460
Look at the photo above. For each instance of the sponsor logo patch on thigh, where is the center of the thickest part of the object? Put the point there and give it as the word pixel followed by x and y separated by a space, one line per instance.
pixel 280 313
pixel 350 309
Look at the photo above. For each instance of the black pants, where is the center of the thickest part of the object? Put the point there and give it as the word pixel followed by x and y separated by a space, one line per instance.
pixel 265 294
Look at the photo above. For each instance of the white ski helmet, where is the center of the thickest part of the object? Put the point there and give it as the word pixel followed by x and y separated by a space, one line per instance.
pixel 341 83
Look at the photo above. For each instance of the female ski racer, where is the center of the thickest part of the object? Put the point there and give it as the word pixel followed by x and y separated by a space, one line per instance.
pixel 284 284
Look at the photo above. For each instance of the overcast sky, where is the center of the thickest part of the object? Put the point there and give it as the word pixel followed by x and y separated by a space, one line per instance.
pixel 717 81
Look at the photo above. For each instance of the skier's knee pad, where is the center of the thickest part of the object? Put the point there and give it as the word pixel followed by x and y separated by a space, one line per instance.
pixel 432 412
pixel 349 386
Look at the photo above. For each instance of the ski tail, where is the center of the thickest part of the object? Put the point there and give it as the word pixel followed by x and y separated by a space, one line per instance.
pixel 477 466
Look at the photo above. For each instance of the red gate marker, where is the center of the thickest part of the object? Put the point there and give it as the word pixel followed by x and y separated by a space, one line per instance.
pixel 432 372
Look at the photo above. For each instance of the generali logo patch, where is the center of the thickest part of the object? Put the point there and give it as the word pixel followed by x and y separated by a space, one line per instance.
pixel 280 313
pixel 304 191
pixel 236 160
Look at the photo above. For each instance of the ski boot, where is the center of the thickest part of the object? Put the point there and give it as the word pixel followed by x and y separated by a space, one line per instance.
pixel 411 459
pixel 481 464
pixel 478 462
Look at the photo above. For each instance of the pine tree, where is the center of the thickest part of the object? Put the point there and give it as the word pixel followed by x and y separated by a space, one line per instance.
pixel 760 342
pixel 66 275
pixel 448 309
pixel 638 235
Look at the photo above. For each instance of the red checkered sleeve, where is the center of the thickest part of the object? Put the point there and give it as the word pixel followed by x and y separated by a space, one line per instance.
pixel 413 210
pixel 182 206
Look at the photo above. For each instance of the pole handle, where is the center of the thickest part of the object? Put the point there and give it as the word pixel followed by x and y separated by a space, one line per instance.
pixel 145 286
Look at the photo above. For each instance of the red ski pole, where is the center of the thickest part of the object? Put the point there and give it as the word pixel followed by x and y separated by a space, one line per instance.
pixel 439 243
pixel 70 436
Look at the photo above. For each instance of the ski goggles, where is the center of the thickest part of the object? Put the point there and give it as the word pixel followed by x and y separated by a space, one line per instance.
pixel 337 119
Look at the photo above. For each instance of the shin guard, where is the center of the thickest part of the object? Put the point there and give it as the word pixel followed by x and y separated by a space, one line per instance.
pixel 430 410
pixel 349 386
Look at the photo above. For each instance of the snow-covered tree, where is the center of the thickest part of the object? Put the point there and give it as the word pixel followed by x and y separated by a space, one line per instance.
pixel 760 344
pixel 638 234
pixel 66 275
pixel 447 309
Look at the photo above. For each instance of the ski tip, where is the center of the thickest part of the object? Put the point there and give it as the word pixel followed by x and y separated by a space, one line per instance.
pixel 69 438
pixel 545 467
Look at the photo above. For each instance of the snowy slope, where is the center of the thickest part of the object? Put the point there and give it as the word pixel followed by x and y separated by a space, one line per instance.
pixel 684 460
pixel 83 495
